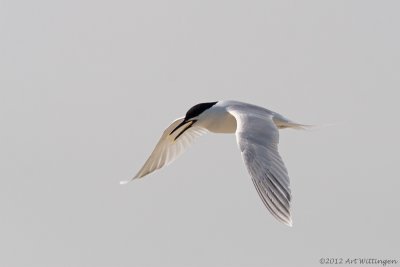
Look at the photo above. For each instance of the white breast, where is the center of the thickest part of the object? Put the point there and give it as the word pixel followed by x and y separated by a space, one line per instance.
pixel 218 120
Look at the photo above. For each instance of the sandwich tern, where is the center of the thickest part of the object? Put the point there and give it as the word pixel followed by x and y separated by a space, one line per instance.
pixel 257 135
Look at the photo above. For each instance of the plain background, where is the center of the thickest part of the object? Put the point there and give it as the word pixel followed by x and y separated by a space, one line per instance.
pixel 87 87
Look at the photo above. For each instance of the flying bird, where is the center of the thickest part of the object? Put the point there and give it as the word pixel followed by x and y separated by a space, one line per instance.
pixel 257 135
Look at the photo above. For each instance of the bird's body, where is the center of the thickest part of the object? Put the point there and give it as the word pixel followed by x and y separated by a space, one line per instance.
pixel 257 135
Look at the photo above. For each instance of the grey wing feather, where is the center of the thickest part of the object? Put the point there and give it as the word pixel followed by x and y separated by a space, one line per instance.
pixel 168 149
pixel 258 137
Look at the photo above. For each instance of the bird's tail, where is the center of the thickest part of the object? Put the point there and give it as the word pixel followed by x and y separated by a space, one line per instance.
pixel 282 123
pixel 293 125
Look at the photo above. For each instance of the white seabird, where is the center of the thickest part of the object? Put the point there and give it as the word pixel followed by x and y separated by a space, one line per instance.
pixel 257 135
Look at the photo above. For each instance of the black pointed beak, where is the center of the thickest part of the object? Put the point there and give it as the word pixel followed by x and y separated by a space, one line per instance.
pixel 184 122
pixel 179 126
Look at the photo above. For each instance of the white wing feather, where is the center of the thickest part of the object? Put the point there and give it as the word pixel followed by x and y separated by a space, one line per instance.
pixel 168 149
pixel 258 137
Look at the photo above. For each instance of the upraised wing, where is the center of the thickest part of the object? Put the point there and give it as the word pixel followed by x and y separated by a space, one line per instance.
pixel 169 147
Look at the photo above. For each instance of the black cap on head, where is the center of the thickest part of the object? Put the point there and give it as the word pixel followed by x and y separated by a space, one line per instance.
pixel 192 112
pixel 198 109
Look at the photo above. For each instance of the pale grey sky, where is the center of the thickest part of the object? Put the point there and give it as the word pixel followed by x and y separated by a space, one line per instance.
pixel 87 87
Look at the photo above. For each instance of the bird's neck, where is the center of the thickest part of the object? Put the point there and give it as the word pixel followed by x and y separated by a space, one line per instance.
pixel 218 120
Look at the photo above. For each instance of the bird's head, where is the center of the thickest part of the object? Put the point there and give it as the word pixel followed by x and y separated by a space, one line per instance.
pixel 192 116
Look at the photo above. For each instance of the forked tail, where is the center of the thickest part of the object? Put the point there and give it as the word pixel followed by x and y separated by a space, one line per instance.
pixel 282 123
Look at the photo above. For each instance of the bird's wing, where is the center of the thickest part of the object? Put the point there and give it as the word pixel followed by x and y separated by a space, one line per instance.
pixel 258 138
pixel 169 147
